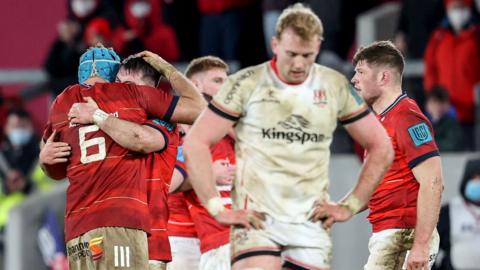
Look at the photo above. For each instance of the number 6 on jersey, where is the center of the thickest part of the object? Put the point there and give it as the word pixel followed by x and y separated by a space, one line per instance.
pixel 84 144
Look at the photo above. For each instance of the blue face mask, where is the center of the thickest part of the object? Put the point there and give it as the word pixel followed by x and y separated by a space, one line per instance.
pixel 472 190
pixel 19 136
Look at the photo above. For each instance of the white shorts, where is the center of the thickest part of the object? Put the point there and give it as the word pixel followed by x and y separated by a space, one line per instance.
pixel 298 244
pixel 185 253
pixel 216 259
pixel 389 249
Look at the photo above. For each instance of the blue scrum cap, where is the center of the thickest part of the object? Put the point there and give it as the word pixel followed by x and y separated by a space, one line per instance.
pixel 98 61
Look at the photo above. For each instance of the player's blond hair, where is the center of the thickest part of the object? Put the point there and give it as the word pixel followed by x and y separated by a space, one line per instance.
pixel 301 20
pixel 204 63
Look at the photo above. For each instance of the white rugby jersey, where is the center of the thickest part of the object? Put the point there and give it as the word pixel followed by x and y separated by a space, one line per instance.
pixel 284 134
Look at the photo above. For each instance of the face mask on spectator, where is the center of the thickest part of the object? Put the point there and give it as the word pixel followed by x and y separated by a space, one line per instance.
pixel 472 190
pixel 140 9
pixel 19 136
pixel 458 17
pixel 83 8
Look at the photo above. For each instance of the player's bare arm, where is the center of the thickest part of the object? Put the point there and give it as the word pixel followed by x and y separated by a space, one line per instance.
pixel 429 176
pixel 51 154
pixel 372 137
pixel 198 159
pixel 133 136
pixel 191 102
pixel 179 183
pixel 222 172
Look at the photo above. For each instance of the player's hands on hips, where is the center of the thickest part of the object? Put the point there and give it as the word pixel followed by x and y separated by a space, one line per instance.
pixel 54 152
pixel 418 257
pixel 329 213
pixel 157 62
pixel 241 217
pixel 82 113
pixel 223 172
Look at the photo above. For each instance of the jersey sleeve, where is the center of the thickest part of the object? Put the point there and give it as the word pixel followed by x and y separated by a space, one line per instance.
pixel 164 128
pixel 415 137
pixel 180 163
pixel 230 99
pixel 156 102
pixel 351 105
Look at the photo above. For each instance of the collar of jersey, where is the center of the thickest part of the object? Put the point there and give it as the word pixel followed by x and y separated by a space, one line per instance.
pixel 273 65
pixel 397 100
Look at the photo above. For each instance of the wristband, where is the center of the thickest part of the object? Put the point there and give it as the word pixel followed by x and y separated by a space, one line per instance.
pixel 215 206
pixel 352 204
pixel 99 117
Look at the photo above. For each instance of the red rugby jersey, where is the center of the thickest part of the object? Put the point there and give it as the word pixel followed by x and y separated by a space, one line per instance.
pixel 394 202
pixel 159 168
pixel 180 222
pixel 211 233
pixel 107 186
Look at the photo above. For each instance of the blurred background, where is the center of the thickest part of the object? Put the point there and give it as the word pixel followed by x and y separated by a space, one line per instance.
pixel 41 42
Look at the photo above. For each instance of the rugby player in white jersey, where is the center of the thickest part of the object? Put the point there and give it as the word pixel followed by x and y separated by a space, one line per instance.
pixel 285 112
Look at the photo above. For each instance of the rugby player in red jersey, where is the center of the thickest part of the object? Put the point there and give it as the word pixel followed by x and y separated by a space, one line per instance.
pixel 405 206
pixel 208 74
pixel 107 214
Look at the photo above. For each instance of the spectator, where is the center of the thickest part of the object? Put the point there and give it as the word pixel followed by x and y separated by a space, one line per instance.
pixel 98 31
pixel 448 133
pixel 417 21
pixel 452 60
pixel 271 12
pixel 220 27
pixel 18 154
pixel 459 225
pixel 184 17
pixel 62 59
pixel 20 149
pixel 146 31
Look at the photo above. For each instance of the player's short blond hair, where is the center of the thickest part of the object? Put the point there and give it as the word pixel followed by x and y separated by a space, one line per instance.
pixel 301 20
pixel 204 63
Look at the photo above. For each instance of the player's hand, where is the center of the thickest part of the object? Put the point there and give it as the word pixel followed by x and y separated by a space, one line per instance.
pixel 158 63
pixel 329 213
pixel 223 172
pixel 418 257
pixel 82 113
pixel 241 217
pixel 54 152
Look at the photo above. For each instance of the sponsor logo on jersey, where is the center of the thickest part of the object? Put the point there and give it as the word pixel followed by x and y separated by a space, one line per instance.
pixel 95 246
pixel 78 251
pixel 420 134
pixel 236 86
pixel 293 131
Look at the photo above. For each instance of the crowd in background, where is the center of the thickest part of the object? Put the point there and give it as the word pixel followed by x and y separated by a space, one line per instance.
pixel 445 34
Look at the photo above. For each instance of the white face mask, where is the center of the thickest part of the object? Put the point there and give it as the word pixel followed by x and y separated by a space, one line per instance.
pixel 83 8
pixel 458 17
pixel 140 9
pixel 19 136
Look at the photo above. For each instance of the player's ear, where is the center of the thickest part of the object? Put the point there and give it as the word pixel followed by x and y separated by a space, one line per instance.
pixel 384 77
pixel 274 43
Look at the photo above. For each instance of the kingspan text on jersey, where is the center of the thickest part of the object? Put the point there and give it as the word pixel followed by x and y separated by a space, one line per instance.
pixel 290 137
